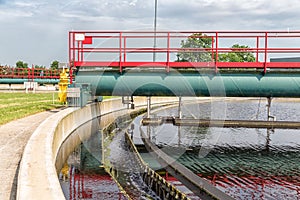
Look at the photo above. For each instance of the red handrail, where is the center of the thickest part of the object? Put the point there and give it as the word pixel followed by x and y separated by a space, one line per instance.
pixel 28 73
pixel 123 49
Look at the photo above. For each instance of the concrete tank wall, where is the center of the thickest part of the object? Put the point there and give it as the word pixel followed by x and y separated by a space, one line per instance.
pixel 37 174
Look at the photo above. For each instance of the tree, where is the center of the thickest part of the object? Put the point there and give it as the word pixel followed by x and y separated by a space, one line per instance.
pixel 194 49
pixel 54 64
pixel 39 66
pixel 21 64
pixel 239 54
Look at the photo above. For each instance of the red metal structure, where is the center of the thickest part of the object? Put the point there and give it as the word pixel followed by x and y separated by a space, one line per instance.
pixel 28 73
pixel 134 49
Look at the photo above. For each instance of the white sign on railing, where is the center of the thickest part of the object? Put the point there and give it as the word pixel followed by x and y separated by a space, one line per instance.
pixel 79 36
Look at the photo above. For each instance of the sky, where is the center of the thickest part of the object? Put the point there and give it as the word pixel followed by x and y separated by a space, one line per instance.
pixel 36 31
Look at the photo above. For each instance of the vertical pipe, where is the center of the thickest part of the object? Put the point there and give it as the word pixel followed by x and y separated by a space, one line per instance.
pixel 179 108
pixel 148 106
pixel 268 139
pixel 179 136
pixel 148 115
pixel 268 107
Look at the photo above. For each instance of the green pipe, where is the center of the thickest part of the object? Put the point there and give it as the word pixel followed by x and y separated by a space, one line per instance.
pixel 21 81
pixel 176 83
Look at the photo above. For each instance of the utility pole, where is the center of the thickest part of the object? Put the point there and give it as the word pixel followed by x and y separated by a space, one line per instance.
pixel 155 25
pixel 154 57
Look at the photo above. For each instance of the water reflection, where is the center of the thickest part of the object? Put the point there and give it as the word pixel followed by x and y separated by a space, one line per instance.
pixel 245 163
pixel 86 178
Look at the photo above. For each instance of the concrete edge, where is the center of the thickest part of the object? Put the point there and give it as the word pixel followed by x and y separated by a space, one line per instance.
pixel 37 174
pixel 29 176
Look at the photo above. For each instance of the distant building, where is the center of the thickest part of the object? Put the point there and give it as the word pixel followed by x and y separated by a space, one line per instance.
pixel 291 59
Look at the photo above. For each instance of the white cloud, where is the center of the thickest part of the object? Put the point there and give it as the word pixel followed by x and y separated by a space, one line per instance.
pixel 45 24
pixel 12 14
pixel 27 4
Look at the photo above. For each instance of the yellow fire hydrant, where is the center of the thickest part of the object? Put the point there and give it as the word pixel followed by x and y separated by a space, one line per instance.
pixel 63 86
pixel 65 171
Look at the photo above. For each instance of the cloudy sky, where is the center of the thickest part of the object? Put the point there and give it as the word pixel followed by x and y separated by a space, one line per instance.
pixel 36 31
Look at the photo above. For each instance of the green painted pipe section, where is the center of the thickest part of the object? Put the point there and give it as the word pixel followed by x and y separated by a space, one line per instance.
pixel 21 81
pixel 235 84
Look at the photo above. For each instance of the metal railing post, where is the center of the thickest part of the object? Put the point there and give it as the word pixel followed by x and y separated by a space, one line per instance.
pixel 120 53
pixel 257 48
pixel 212 48
pixel 217 53
pixel 155 26
pixel 78 51
pixel 265 57
pixel 124 49
pixel 168 53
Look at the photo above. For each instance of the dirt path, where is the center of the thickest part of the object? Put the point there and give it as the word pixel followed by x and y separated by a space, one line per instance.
pixel 13 138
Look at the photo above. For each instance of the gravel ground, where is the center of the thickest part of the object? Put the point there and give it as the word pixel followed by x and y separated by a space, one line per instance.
pixel 14 136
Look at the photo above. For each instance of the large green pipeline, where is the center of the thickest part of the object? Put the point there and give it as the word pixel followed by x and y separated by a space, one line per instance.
pixel 21 81
pixel 175 83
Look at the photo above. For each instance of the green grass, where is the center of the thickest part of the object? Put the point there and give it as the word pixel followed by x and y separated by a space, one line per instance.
pixel 18 105
pixel 109 97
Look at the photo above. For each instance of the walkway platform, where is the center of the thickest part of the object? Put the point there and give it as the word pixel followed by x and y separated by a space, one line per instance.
pixel 14 136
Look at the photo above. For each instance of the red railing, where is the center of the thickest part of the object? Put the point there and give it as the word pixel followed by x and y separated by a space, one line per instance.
pixel 28 73
pixel 160 49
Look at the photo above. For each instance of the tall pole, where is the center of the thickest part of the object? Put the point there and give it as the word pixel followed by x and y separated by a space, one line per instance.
pixel 154 59
pixel 155 25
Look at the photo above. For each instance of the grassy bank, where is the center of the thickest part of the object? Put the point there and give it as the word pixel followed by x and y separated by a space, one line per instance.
pixel 18 105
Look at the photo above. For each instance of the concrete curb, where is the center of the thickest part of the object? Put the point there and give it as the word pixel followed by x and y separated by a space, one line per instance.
pixel 35 162
pixel 38 177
